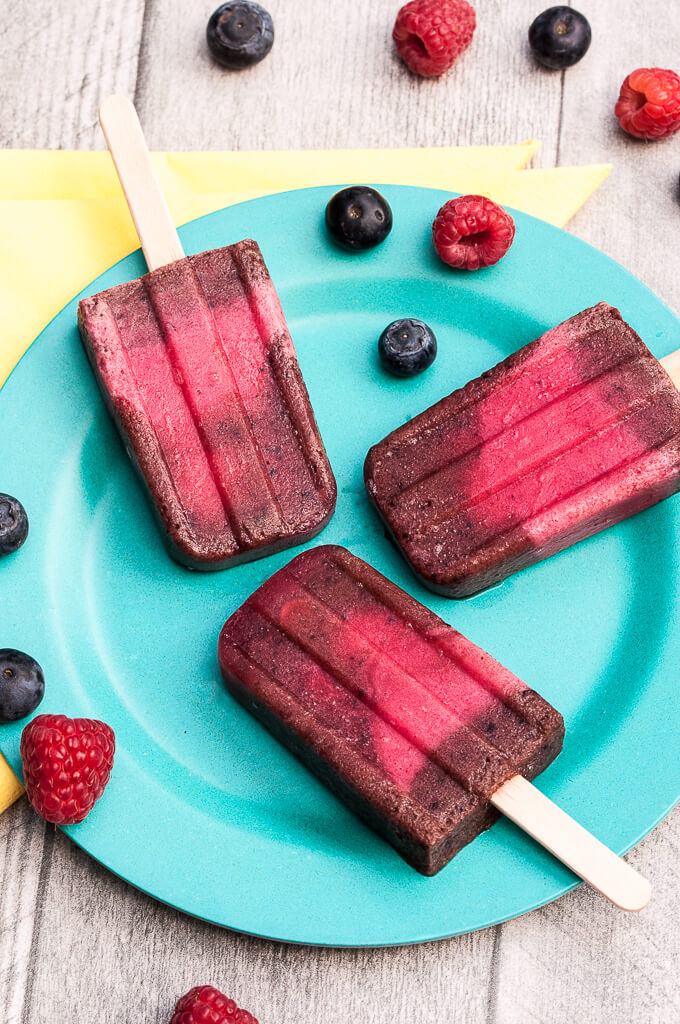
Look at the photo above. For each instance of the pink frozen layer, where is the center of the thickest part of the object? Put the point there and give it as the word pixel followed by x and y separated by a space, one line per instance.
pixel 571 434
pixel 412 724
pixel 199 371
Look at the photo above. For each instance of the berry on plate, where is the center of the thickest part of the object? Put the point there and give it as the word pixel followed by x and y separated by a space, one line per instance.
pixel 559 37
pixel 472 232
pixel 240 34
pixel 407 347
pixel 358 217
pixel 431 34
pixel 649 103
pixel 13 524
pixel 67 763
pixel 207 1005
pixel 22 685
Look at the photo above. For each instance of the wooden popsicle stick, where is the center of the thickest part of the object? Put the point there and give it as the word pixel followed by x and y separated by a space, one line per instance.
pixel 553 828
pixel 671 364
pixel 127 145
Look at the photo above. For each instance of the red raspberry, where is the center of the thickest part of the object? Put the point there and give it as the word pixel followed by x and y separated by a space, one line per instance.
pixel 649 103
pixel 67 763
pixel 430 34
pixel 207 1005
pixel 472 232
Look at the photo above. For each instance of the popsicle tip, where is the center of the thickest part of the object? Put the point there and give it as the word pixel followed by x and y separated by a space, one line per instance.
pixel 637 896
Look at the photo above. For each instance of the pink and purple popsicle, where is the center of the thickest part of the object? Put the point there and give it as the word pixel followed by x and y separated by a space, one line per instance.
pixel 199 372
pixel 412 725
pixel 574 432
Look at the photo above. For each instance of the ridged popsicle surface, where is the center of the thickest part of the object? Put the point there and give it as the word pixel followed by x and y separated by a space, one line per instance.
pixel 410 723
pixel 569 435
pixel 199 372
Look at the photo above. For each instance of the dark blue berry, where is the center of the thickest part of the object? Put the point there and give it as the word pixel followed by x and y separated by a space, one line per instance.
pixel 407 347
pixel 358 217
pixel 13 524
pixel 22 685
pixel 240 34
pixel 559 37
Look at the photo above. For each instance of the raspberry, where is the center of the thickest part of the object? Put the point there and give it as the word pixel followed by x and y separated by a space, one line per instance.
pixel 472 232
pixel 67 763
pixel 649 103
pixel 207 1005
pixel 430 34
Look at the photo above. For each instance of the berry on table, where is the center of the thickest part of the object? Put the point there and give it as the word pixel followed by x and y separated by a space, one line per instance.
pixel 240 34
pixel 67 763
pixel 358 217
pixel 22 685
pixel 13 524
pixel 207 1005
pixel 407 347
pixel 559 37
pixel 649 103
pixel 431 34
pixel 472 232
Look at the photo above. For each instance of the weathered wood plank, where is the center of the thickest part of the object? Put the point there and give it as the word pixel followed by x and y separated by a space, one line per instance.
pixel 333 80
pixel 635 216
pixel 58 61
pixel 580 960
pixel 24 857
pixel 116 951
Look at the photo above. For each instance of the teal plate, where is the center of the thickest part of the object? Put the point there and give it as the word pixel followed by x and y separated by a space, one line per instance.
pixel 205 810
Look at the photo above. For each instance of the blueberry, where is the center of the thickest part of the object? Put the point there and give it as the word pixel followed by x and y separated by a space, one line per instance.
pixel 22 685
pixel 407 347
pixel 240 34
pixel 358 217
pixel 13 524
pixel 559 37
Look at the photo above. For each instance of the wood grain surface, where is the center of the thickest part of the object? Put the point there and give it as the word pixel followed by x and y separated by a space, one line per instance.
pixel 76 943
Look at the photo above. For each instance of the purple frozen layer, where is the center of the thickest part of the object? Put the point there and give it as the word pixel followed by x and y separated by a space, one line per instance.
pixel 199 372
pixel 412 725
pixel 572 433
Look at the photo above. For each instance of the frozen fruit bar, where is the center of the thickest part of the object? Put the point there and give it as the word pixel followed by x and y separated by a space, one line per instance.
pixel 569 435
pixel 413 726
pixel 199 372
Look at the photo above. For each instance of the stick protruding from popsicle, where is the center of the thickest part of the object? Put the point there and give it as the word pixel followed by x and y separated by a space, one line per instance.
pixel 127 145
pixel 671 364
pixel 590 859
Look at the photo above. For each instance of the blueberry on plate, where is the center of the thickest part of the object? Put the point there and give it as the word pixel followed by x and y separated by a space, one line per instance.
pixel 407 347
pixel 240 34
pixel 22 685
pixel 358 217
pixel 559 37
pixel 13 524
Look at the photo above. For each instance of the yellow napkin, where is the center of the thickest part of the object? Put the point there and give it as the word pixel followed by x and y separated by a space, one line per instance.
pixel 64 220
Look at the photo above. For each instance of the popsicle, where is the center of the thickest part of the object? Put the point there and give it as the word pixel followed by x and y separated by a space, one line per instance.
pixel 574 432
pixel 199 372
pixel 419 731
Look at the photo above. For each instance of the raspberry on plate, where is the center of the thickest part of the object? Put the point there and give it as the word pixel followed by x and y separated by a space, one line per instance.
pixel 649 103
pixel 207 1005
pixel 472 232
pixel 67 763
pixel 431 34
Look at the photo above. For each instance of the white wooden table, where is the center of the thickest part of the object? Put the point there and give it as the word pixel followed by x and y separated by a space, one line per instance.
pixel 76 943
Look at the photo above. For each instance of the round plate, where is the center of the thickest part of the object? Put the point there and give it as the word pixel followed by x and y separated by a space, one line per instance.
pixel 205 810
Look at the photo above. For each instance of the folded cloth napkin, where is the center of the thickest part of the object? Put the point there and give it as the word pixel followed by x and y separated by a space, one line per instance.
pixel 64 220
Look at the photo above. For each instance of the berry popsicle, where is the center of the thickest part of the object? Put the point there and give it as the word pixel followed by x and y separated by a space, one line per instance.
pixel 419 731
pixel 198 370
pixel 574 432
